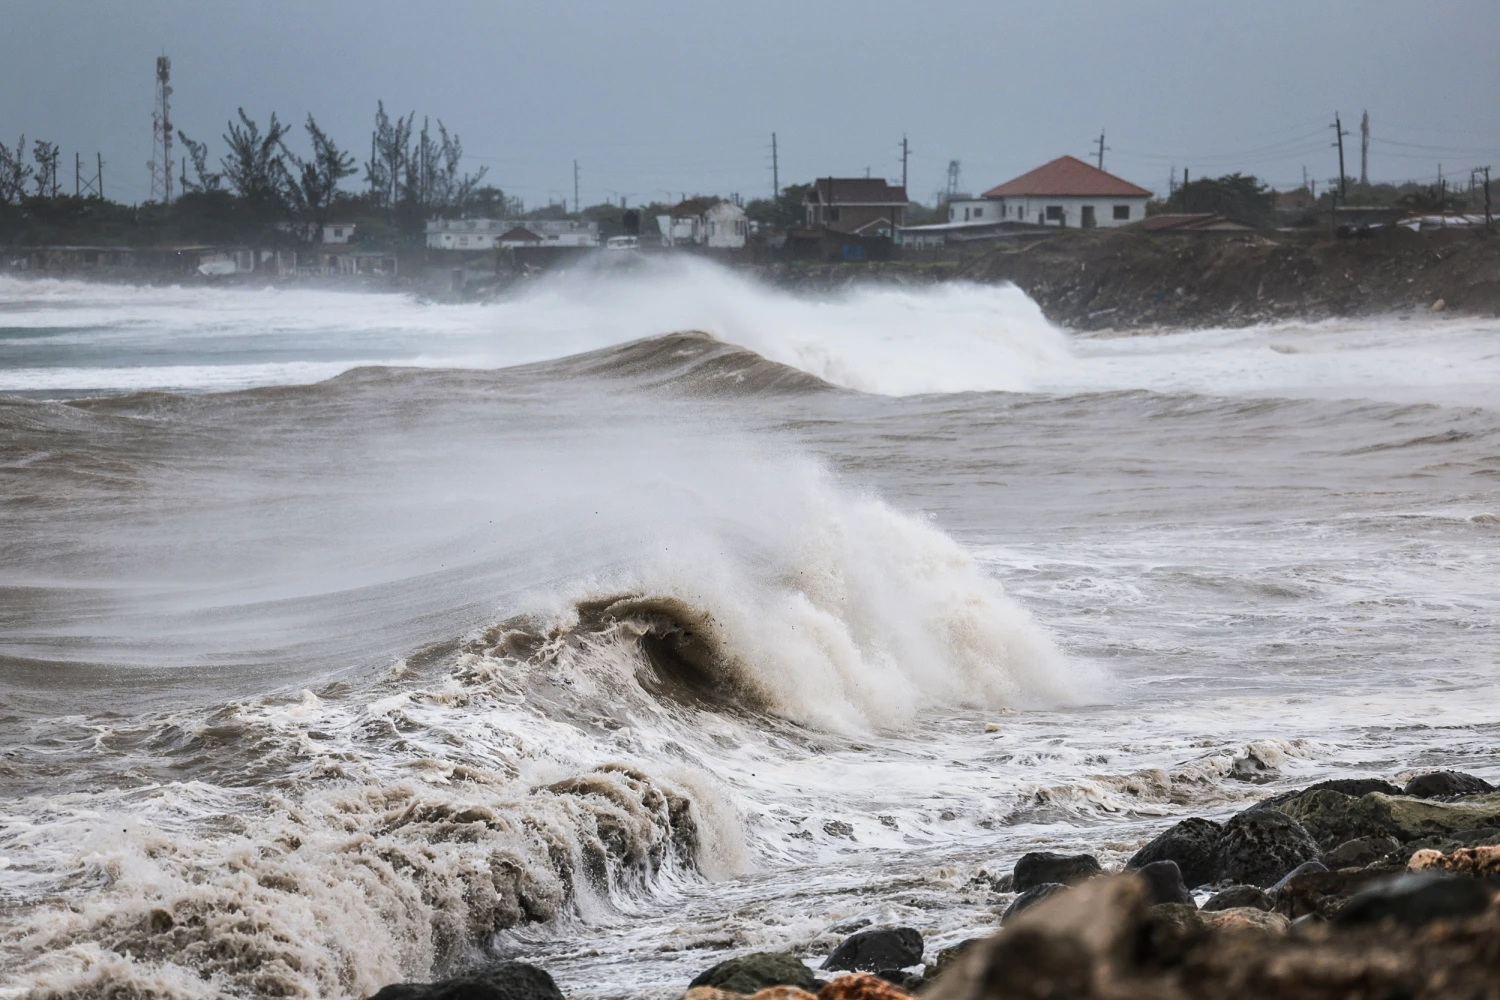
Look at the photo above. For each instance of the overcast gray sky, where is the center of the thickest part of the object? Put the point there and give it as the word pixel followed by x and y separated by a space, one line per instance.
pixel 655 98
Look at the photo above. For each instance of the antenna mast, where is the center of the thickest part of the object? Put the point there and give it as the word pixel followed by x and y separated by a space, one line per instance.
pixel 161 134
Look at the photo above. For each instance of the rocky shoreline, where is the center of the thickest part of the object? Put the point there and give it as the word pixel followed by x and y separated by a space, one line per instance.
pixel 1352 889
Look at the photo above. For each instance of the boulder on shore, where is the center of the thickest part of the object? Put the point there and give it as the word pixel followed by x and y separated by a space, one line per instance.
pixel 1240 897
pixel 1360 852
pixel 1191 843
pixel 1441 784
pixel 1041 867
pixel 1334 818
pixel 506 981
pixel 1259 846
pixel 1165 884
pixel 1415 899
pixel 1031 897
pixel 877 950
pixel 757 971
pixel 1103 939
pixel 1323 894
pixel 1348 786
pixel 1475 862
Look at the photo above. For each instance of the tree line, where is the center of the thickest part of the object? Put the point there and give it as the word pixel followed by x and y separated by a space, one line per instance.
pixel 265 186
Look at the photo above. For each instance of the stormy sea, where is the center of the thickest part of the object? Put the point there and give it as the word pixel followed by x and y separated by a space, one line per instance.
pixel 641 618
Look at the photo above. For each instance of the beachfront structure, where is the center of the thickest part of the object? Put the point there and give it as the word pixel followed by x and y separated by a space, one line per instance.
pixel 864 205
pixel 710 222
pixel 503 234
pixel 1066 192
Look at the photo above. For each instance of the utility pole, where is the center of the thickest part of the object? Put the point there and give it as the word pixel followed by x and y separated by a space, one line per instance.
pixel 77 175
pixel 1489 220
pixel 576 209
pixel 1343 194
pixel 1364 150
pixel 1102 147
pixel 100 177
pixel 905 152
pixel 1304 177
pixel 775 171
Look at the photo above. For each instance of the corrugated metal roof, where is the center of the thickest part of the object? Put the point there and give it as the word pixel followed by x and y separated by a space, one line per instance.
pixel 1068 177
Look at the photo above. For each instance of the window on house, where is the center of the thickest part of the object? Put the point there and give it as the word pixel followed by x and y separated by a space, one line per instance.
pixel 978 212
pixel 966 215
pixel 952 214
pixel 833 215
pixel 1122 211
pixel 1054 213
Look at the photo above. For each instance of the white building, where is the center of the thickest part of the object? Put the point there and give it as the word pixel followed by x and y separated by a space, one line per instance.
pixel 338 232
pixel 1066 192
pixel 710 222
pixel 492 234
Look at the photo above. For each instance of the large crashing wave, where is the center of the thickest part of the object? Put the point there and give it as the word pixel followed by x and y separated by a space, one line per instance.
pixel 830 610
pixel 887 339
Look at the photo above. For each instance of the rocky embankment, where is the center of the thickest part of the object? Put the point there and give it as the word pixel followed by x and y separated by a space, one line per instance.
pixel 1131 280
pixel 1352 889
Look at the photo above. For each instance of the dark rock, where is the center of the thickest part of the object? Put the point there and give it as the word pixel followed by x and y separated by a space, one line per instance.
pixel 1323 894
pixel 1259 846
pixel 1171 930
pixel 1304 868
pixel 1041 867
pixel 1191 844
pixel 1031 897
pixel 948 956
pixel 1165 881
pixel 850 926
pixel 754 972
pixel 1348 786
pixel 1360 852
pixel 1413 900
pixel 1333 817
pixel 507 981
pixel 1239 896
pixel 874 950
pixel 1440 784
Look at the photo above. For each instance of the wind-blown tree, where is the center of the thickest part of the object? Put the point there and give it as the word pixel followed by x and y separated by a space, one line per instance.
pixel 46 155
pixel 316 182
pixel 416 178
pixel 388 152
pixel 198 153
pixel 14 173
pixel 256 166
pixel 785 212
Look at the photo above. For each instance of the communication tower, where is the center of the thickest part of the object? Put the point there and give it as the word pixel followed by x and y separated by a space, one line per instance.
pixel 161 134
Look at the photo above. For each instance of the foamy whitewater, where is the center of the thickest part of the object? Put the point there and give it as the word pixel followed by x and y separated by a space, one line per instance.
pixel 643 618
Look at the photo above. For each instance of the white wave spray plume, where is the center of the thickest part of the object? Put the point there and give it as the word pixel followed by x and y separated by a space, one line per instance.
pixel 893 340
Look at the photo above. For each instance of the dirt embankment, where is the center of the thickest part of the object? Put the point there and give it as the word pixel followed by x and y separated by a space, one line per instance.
pixel 1129 280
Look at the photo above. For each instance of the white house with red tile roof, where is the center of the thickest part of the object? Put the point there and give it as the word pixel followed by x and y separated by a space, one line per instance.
pixel 1066 192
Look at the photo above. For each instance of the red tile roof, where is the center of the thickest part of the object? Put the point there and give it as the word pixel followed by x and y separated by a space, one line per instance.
pixel 857 191
pixel 1067 176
